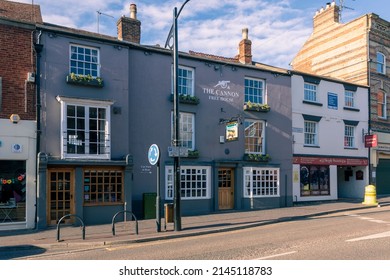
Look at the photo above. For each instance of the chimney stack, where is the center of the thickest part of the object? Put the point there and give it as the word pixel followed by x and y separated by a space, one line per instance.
pixel 129 28
pixel 245 48
pixel 326 16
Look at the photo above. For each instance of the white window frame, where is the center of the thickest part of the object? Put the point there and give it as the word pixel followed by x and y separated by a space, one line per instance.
pixel 192 185
pixel 189 87
pixel 383 105
pixel 255 91
pixel 349 136
pixel 81 63
pixel 261 182
pixel 259 147
pixel 349 99
pixel 86 103
pixel 310 92
pixel 381 63
pixel 185 129
pixel 312 133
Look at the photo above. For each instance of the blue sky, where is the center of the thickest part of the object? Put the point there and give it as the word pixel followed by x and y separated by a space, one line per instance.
pixel 277 28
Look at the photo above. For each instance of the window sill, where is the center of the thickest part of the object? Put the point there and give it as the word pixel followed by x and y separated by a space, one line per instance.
pixel 350 148
pixel 351 109
pixel 312 103
pixel 311 146
pixel 87 83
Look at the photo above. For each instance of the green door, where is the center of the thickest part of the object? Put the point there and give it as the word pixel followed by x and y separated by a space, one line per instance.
pixel 383 177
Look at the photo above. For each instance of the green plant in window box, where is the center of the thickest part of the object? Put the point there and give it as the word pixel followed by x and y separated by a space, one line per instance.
pixel 85 80
pixel 249 106
pixel 257 157
pixel 187 99
pixel 193 154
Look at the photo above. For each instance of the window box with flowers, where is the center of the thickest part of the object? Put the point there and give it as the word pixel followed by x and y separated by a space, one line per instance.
pixel 257 157
pixel 193 154
pixel 84 80
pixel 186 99
pixel 249 106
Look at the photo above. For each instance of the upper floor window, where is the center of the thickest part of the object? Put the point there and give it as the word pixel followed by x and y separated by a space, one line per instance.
pixel 310 92
pixel 186 81
pixel 254 137
pixel 311 133
pixel 382 104
pixel 380 63
pixel 84 61
pixel 186 130
pixel 349 136
pixel 254 91
pixel 85 128
pixel 349 98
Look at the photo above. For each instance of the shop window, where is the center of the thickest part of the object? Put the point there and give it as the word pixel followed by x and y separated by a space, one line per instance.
pixel 261 182
pixel 12 191
pixel 195 182
pixel 103 186
pixel 314 180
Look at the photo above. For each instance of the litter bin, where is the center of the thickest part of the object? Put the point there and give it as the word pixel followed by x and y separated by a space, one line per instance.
pixel 168 214
pixel 149 201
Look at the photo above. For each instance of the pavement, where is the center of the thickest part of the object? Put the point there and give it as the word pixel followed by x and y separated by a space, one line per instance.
pixel 125 232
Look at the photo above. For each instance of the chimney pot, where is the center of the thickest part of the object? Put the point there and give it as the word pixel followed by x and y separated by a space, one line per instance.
pixel 133 11
pixel 245 34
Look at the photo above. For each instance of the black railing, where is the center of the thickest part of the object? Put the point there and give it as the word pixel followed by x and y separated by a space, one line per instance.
pixel 67 216
pixel 121 212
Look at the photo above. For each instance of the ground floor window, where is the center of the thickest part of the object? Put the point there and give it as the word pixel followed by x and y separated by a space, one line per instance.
pixel 314 180
pixel 12 190
pixel 103 186
pixel 261 182
pixel 195 182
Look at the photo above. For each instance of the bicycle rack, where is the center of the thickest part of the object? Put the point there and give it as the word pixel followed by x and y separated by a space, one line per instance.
pixel 66 216
pixel 120 212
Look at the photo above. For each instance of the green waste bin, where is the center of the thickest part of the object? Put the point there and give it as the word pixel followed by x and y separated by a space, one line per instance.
pixel 149 201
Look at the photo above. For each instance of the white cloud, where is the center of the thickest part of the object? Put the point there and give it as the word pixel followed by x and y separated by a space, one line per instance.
pixel 213 26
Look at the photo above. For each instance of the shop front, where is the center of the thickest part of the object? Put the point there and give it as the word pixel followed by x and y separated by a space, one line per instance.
pixel 317 178
pixel 17 175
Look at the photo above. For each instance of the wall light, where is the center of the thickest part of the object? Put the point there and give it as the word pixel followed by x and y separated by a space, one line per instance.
pixel 14 118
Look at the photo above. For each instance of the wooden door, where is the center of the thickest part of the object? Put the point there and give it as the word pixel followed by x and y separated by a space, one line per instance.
pixel 225 188
pixel 60 195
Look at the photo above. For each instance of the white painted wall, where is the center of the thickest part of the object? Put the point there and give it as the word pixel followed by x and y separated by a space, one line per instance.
pixel 331 135
pixel 24 134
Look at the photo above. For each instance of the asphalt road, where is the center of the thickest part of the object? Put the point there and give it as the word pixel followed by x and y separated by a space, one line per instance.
pixel 353 235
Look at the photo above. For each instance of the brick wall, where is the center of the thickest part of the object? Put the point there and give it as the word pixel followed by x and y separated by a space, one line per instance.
pixel 16 60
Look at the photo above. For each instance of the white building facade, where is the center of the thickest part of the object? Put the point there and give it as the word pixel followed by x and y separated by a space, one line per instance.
pixel 330 120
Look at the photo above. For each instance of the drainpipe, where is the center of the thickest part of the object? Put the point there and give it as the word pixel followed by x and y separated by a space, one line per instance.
pixel 38 49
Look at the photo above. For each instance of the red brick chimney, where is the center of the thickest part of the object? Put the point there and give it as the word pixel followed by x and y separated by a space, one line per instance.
pixel 245 48
pixel 129 28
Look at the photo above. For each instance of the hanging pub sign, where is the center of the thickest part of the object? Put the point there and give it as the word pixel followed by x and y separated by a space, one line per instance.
pixel 232 131
pixel 370 140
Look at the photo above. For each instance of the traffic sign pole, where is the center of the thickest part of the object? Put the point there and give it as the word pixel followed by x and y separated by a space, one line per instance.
pixel 154 159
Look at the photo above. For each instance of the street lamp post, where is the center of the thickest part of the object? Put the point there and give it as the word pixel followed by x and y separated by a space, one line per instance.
pixel 173 34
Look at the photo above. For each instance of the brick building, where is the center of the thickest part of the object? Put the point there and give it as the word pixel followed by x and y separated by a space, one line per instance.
pixel 18 114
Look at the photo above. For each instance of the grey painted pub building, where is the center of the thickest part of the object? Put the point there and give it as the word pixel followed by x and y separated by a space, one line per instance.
pixel 235 122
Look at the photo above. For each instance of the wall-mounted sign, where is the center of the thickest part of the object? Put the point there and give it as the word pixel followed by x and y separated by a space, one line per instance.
pixel 16 148
pixel 332 101
pixel 232 131
pixel 370 140
pixel 153 154
pixel 221 91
